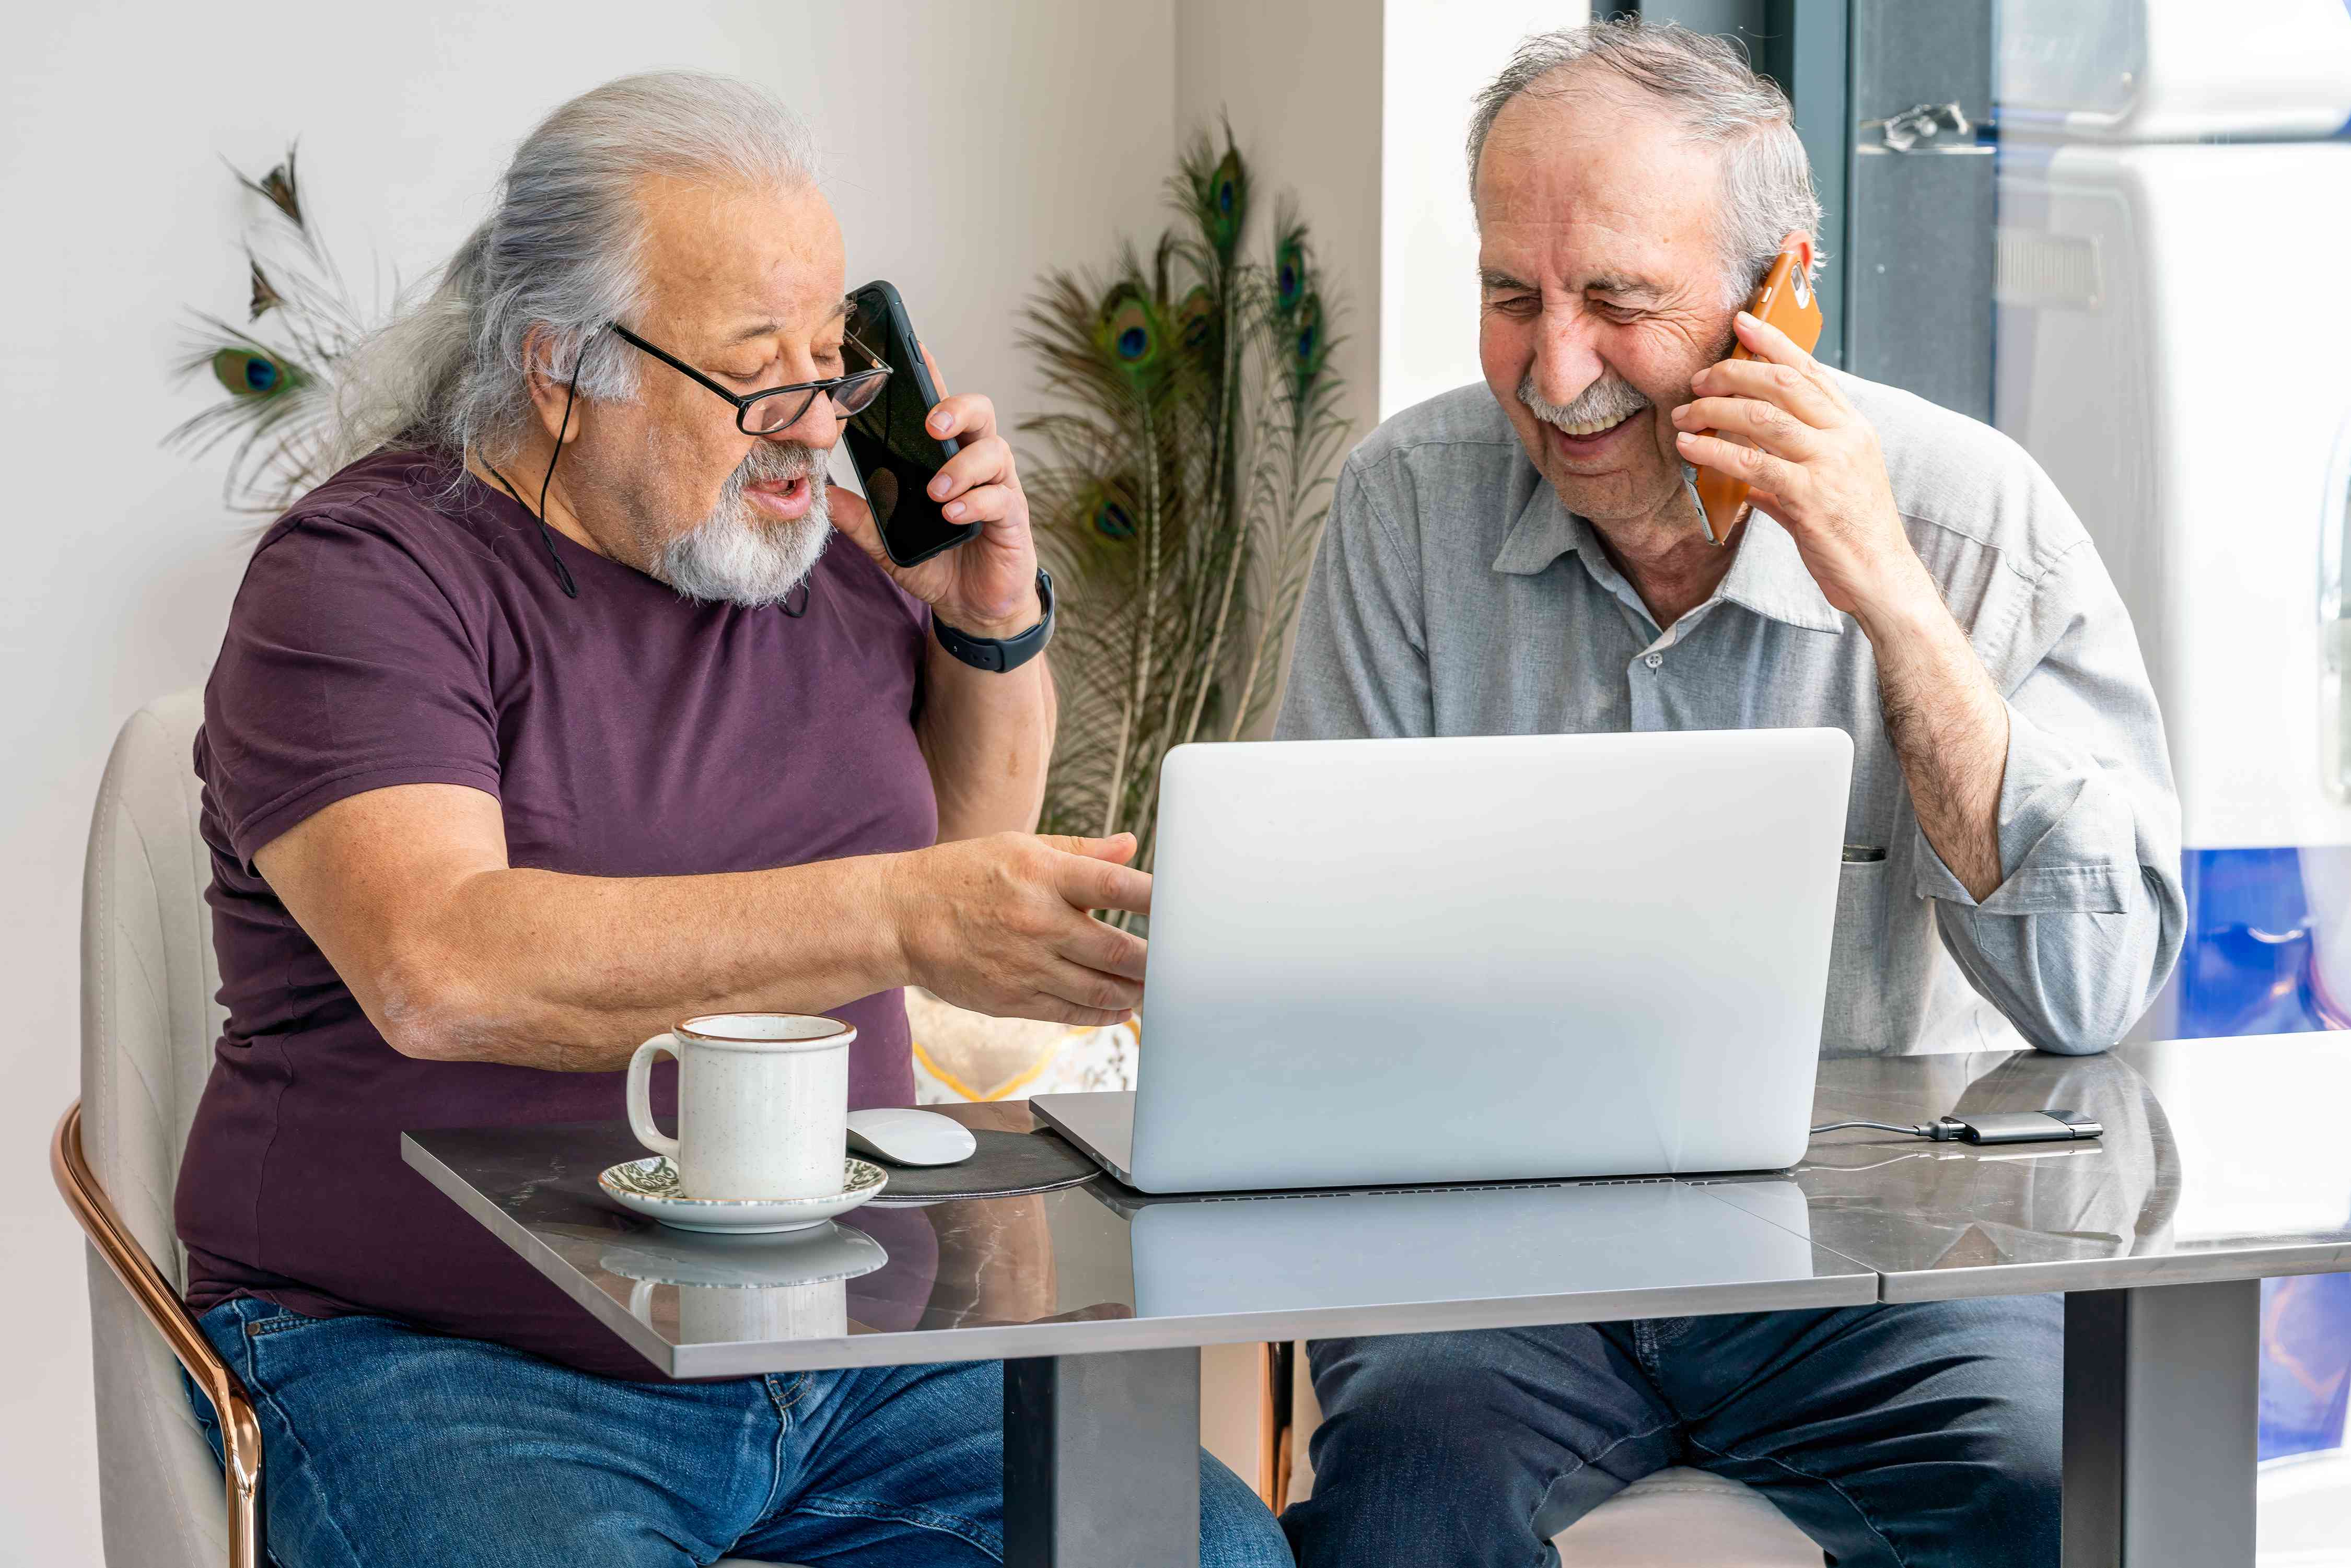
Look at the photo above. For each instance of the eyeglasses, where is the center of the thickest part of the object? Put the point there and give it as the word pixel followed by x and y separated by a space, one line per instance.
pixel 778 408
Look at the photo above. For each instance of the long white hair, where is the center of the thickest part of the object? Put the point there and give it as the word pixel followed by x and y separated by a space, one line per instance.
pixel 558 257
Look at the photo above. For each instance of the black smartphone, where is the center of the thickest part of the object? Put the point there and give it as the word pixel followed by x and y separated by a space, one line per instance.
pixel 895 455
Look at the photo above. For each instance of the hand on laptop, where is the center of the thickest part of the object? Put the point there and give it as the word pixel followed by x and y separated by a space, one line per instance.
pixel 1001 924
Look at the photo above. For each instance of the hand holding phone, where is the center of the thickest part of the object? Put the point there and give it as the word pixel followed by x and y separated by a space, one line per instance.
pixel 895 455
pixel 1785 300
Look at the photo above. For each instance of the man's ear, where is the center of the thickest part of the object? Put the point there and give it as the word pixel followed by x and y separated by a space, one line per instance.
pixel 549 391
pixel 1800 242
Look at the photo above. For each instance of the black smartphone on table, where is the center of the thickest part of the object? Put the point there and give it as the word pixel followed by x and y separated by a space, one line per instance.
pixel 895 455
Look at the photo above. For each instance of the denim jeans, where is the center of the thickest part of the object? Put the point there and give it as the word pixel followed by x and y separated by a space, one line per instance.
pixel 390 1447
pixel 1913 1436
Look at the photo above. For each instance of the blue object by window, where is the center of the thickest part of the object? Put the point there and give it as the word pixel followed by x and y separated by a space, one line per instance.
pixel 2306 1363
pixel 2248 969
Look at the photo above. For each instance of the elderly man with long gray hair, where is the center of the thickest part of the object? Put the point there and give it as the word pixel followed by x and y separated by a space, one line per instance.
pixel 1526 557
pixel 556 715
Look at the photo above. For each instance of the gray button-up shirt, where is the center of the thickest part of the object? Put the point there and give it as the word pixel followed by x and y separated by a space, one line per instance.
pixel 1455 595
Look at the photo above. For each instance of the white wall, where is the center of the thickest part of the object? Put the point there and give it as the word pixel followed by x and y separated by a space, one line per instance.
pixel 970 148
pixel 1440 54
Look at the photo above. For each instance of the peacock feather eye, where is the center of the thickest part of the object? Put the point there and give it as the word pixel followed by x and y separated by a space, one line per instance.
pixel 1196 319
pixel 1113 521
pixel 248 375
pixel 1289 273
pixel 1228 201
pixel 1307 343
pixel 1129 331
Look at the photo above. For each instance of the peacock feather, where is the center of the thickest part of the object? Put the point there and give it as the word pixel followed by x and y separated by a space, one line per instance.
pixel 249 373
pixel 265 293
pixel 279 394
pixel 1134 331
pixel 1196 321
pixel 1290 281
pixel 1190 460
pixel 1308 347
pixel 279 189
pixel 1215 190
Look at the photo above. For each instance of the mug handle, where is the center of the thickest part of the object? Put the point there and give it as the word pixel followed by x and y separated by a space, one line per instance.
pixel 641 1094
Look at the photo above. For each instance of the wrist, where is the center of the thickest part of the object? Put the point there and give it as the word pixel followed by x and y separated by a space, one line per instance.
pixel 1024 614
pixel 889 917
pixel 1906 608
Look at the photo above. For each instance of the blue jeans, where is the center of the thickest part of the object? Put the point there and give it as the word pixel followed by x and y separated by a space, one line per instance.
pixel 1913 1436
pixel 385 1446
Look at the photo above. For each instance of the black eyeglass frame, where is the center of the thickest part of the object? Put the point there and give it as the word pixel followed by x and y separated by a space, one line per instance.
pixel 832 385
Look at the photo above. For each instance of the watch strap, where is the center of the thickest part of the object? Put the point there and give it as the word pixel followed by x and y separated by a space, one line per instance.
pixel 998 655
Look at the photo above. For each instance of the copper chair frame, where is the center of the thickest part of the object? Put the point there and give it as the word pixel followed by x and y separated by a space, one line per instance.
pixel 168 1315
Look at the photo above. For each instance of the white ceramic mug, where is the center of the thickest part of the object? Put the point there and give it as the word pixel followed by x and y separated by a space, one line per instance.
pixel 762 1103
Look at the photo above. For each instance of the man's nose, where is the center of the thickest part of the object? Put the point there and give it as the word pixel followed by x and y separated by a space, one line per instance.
pixel 1567 356
pixel 819 425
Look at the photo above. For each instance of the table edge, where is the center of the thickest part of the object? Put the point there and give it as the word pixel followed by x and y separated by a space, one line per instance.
pixel 1857 1286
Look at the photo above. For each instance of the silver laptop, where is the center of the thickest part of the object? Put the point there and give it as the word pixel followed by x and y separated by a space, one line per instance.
pixel 1479 959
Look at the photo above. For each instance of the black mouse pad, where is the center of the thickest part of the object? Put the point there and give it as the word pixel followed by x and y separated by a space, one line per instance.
pixel 1005 1165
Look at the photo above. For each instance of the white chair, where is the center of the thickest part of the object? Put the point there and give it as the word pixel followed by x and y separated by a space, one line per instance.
pixel 148 1025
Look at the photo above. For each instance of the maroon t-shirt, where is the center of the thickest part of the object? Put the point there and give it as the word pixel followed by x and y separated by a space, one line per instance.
pixel 393 629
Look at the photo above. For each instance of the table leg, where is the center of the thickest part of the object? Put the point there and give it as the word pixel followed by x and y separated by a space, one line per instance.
pixel 2162 1398
pixel 1101 1460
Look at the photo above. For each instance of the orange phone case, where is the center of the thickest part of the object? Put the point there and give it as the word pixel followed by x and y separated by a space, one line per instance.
pixel 1786 300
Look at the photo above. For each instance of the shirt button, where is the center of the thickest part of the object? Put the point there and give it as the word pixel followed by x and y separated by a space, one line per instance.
pixel 1654 659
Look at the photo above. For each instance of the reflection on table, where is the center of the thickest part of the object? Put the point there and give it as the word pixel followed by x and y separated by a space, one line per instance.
pixel 2212 1149
pixel 1098 1268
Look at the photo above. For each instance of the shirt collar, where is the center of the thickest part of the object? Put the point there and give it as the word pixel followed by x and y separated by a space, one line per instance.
pixel 1767 576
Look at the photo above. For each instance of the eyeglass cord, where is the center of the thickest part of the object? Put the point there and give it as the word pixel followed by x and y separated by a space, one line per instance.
pixel 545 534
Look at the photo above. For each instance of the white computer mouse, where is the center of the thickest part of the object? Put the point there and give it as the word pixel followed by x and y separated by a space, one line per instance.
pixel 910 1137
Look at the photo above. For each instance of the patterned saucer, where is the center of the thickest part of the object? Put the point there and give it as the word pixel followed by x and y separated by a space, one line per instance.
pixel 649 1186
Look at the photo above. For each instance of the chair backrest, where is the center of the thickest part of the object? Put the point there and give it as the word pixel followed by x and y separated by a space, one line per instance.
pixel 149 1022
pixel 149 1019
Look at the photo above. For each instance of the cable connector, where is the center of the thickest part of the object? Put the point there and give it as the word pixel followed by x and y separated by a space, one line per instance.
pixel 1993 1127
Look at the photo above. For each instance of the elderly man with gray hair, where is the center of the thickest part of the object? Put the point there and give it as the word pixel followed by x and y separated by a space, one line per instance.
pixel 1526 557
pixel 559 715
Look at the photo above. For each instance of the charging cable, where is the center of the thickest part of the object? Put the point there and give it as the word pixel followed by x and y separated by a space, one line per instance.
pixel 1942 1131
pixel 1993 1127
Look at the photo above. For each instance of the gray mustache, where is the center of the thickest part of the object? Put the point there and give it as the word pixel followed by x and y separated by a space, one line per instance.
pixel 776 460
pixel 1606 399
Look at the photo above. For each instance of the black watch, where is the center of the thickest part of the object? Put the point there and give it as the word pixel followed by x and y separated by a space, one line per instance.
pixel 997 654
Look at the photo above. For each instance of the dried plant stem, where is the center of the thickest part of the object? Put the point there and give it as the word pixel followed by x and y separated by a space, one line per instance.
pixel 1146 627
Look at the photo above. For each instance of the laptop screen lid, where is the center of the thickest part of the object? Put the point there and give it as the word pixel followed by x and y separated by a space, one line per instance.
pixel 1487 957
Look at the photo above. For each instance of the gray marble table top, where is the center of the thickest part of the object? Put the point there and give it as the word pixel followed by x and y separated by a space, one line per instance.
pixel 1099 1267
pixel 2222 1159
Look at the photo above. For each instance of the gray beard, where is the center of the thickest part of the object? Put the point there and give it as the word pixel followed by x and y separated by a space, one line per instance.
pixel 738 556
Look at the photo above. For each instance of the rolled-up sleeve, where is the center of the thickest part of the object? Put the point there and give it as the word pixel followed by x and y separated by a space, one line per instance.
pixel 2088 918
pixel 1360 668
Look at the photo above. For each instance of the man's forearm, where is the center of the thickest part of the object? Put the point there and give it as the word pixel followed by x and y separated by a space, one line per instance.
pixel 543 969
pixel 987 739
pixel 1949 731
